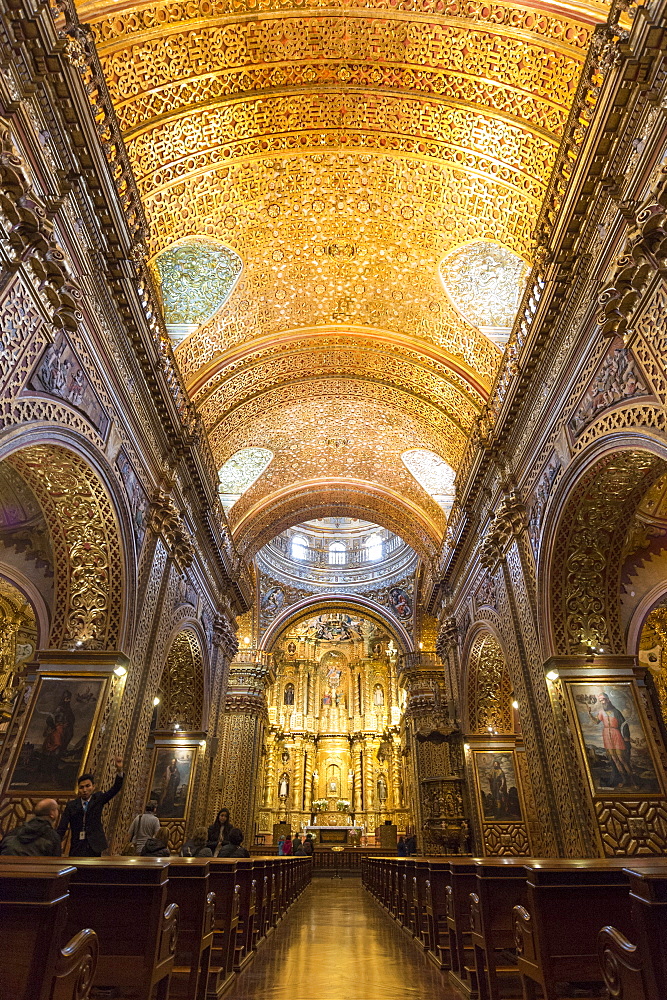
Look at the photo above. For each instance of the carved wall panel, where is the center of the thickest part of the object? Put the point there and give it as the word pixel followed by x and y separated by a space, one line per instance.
pixel 489 693
pixel 181 690
pixel 87 547
pixel 587 551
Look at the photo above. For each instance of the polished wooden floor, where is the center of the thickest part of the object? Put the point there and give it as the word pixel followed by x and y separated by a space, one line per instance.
pixel 337 944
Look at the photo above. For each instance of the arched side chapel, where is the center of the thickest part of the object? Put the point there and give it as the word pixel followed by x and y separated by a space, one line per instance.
pixel 351 555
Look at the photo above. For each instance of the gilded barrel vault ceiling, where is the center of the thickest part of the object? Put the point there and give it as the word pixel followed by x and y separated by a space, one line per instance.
pixel 342 151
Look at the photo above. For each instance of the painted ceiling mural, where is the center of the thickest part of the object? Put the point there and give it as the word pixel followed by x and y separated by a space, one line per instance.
pixel 345 153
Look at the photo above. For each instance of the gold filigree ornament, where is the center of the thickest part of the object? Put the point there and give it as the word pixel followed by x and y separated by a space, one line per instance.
pixel 342 151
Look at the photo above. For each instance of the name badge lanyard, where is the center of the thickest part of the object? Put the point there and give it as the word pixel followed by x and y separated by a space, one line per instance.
pixel 82 834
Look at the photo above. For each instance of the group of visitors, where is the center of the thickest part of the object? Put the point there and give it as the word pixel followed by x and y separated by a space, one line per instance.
pixel 296 847
pixel 406 846
pixel 42 835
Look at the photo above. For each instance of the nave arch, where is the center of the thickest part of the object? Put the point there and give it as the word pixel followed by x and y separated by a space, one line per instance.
pixel 585 546
pixel 335 602
pixel 330 497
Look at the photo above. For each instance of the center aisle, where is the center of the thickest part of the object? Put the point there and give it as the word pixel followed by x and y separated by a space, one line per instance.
pixel 337 944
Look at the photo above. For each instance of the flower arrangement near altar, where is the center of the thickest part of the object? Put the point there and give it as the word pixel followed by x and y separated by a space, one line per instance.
pixel 320 804
pixel 343 805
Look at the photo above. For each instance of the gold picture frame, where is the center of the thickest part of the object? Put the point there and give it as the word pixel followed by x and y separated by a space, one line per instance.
pixel 170 784
pixel 502 801
pixel 617 753
pixel 59 729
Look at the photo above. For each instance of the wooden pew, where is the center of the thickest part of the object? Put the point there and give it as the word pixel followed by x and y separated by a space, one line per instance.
pixel 501 885
pixel 271 911
pixel 223 884
pixel 462 881
pixel 406 895
pixel 189 888
pixel 436 936
pixel 261 871
pixel 245 943
pixel 396 888
pixel 33 921
pixel 639 972
pixel 419 922
pixel 124 900
pixel 557 927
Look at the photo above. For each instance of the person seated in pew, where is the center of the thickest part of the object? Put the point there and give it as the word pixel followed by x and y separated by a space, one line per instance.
pixel 37 837
pixel 401 848
pixel 233 849
pixel 145 825
pixel 218 831
pixel 157 846
pixel 83 815
pixel 308 845
pixel 197 846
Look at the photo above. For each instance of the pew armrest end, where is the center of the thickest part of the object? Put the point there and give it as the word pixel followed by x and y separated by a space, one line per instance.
pixel 76 966
pixel 475 915
pixel 169 935
pixel 621 965
pixel 209 918
pixel 524 935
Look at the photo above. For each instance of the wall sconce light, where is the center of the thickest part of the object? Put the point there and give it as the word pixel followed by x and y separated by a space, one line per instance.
pixel 120 671
pixel 176 727
pixel 247 640
pixel 202 744
pixel 515 704
pixel 466 747
pixel 421 645
pixel 553 675
pixel 156 701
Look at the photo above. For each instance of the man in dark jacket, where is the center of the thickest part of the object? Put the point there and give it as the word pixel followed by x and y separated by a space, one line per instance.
pixel 36 838
pixel 233 849
pixel 83 815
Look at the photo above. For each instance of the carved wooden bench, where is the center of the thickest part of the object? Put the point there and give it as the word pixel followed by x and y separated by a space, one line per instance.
pixel 34 964
pixel 639 972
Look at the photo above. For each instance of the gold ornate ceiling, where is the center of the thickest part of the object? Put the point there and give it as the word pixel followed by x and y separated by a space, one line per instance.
pixel 342 151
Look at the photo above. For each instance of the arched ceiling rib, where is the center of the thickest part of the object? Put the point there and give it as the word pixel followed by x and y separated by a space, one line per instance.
pixel 341 151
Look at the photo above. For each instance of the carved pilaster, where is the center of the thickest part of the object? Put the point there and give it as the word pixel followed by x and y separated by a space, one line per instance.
pixel 245 720
pixel 434 769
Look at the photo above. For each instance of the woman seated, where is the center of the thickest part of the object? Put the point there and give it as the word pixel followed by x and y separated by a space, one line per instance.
pixel 197 846
pixel 157 846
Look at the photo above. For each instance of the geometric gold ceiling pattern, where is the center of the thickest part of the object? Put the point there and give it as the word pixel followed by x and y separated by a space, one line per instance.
pixel 342 151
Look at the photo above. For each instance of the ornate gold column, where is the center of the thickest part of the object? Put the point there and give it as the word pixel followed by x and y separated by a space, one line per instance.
pixel 243 735
pixel 297 794
pixel 309 761
pixel 270 774
pixel 357 745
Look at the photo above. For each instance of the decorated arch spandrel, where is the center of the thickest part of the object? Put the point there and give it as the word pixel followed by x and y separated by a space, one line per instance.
pixel 84 528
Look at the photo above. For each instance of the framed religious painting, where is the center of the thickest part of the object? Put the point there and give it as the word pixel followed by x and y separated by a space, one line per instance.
pixel 497 786
pixel 172 779
pixel 61 722
pixel 613 740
